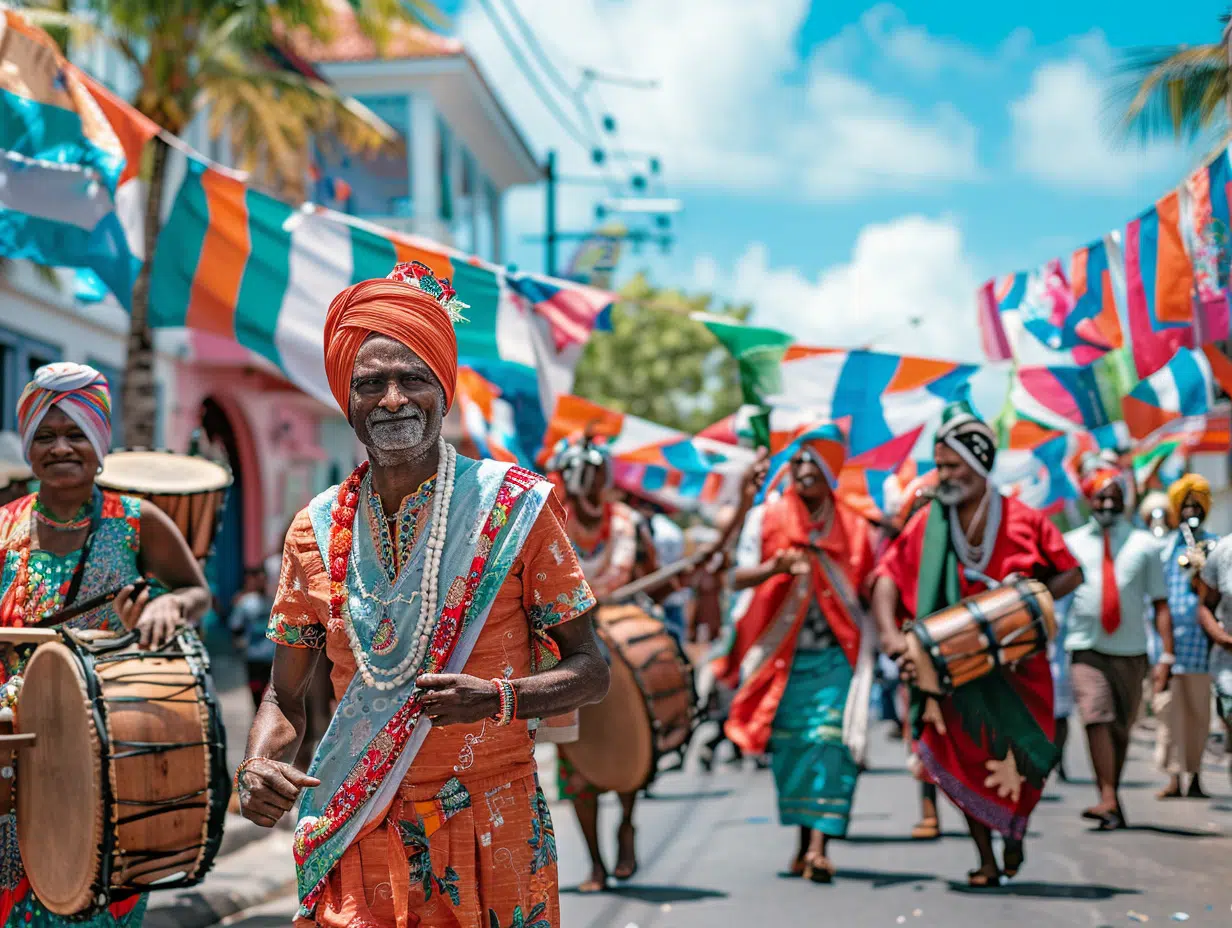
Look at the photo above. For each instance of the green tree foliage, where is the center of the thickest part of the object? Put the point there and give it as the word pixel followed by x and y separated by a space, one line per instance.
pixel 660 364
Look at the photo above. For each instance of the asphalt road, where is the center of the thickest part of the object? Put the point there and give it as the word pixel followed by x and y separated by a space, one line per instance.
pixel 712 853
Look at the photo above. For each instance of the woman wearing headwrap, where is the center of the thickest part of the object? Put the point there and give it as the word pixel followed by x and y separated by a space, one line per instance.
pixel 967 536
pixel 1184 707
pixel 801 643
pixel 69 542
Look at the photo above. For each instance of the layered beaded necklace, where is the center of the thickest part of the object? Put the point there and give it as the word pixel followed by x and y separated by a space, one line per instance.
pixel 75 524
pixel 34 597
pixel 341 534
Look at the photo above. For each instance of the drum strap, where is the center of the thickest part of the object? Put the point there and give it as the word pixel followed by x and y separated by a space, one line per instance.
pixel 74 586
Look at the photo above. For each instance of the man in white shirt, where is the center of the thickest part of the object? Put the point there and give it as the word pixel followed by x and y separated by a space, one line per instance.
pixel 1107 639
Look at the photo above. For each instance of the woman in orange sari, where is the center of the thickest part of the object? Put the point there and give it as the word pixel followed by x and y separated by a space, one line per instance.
pixel 803 658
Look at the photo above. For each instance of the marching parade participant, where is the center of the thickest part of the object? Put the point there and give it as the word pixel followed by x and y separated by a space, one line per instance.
pixel 800 643
pixel 1106 637
pixel 1183 710
pixel 68 543
pixel 1215 617
pixel 614 547
pixel 969 536
pixel 436 585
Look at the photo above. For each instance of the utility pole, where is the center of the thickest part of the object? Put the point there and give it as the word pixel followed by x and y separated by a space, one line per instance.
pixel 549 237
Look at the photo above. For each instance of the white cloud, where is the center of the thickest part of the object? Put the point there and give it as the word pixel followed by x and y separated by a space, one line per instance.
pixel 909 288
pixel 885 29
pixel 737 107
pixel 1063 132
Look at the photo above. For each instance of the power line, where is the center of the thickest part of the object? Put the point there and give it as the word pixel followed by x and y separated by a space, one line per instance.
pixel 532 77
pixel 574 94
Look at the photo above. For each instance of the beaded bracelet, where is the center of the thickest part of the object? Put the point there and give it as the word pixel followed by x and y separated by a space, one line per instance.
pixel 508 702
pixel 239 771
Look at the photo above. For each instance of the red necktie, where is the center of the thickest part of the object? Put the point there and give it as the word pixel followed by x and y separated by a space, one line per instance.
pixel 1110 609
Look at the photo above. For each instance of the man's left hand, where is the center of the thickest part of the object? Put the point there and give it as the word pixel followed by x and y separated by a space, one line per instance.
pixel 457 698
pixel 1161 676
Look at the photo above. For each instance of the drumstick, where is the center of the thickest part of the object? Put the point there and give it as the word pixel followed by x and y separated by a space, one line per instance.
pixel 87 605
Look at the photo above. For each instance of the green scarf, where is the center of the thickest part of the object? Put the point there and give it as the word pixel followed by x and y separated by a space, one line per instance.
pixel 992 712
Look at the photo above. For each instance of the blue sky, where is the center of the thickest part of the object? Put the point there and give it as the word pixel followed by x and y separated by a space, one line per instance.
pixel 851 168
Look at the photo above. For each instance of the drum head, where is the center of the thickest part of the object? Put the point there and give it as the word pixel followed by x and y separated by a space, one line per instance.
pixel 59 800
pixel 157 472
pixel 614 750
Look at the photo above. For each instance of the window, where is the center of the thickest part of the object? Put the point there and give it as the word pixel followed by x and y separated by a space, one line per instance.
pixel 369 185
pixel 444 168
pixel 464 224
pixel 20 357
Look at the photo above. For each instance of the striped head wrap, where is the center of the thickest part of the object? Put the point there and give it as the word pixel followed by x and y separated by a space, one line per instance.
pixel 82 394
pixel 825 444
pixel 969 436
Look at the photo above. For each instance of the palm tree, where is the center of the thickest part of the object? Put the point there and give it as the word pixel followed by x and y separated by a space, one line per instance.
pixel 1178 92
pixel 215 55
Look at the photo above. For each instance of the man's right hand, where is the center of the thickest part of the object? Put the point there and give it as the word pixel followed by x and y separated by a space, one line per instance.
pixel 268 789
pixel 894 646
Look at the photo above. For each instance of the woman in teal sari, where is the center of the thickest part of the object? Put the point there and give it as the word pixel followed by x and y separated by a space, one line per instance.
pixel 801 645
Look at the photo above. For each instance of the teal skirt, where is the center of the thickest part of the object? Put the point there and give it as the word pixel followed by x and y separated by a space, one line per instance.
pixel 813 772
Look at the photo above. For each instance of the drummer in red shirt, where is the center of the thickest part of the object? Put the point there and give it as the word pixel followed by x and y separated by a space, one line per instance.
pixel 968 535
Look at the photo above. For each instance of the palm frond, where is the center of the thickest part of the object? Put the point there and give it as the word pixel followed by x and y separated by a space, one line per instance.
pixel 1172 92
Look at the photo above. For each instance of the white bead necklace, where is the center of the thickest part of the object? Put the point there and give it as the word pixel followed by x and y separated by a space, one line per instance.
pixel 409 666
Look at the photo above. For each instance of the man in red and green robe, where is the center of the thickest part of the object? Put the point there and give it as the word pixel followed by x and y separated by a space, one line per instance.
pixel 988 745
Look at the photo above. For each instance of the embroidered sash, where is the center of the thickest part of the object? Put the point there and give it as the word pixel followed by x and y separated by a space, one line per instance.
pixel 374 735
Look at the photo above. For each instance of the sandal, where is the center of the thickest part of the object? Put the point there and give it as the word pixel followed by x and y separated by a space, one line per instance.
pixel 1111 821
pixel 818 869
pixel 1012 859
pixel 626 867
pixel 927 829
pixel 982 879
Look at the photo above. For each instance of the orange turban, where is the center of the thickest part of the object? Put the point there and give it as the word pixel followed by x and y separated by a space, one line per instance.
pixel 397 309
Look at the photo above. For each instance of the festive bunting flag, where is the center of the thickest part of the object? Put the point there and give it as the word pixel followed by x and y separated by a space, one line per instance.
pixel 1042 477
pixel 1182 387
pixel 886 397
pixel 67 149
pixel 236 263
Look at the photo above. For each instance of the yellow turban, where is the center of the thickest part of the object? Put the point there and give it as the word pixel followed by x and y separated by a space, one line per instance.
pixel 1190 485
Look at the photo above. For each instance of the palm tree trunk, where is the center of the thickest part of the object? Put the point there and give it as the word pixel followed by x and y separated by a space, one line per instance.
pixel 140 405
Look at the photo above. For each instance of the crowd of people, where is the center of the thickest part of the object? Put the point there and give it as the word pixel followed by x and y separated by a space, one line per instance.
pixel 457 607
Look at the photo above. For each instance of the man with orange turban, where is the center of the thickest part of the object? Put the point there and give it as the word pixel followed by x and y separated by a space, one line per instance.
pixel 1106 637
pixel 446 596
pixel 803 643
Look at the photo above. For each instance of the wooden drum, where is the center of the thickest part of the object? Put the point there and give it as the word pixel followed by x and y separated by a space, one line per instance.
pixel 983 632
pixel 191 490
pixel 648 712
pixel 126 786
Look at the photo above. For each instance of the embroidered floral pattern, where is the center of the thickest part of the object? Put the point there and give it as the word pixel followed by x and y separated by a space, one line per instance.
pixel 564 607
pixel 535 919
pixel 543 834
pixel 411 519
pixel 386 637
pixel 294 635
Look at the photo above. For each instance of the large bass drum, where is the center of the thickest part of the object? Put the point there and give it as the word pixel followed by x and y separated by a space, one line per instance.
pixel 191 490
pixel 126 787
pixel 648 713
pixel 983 632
